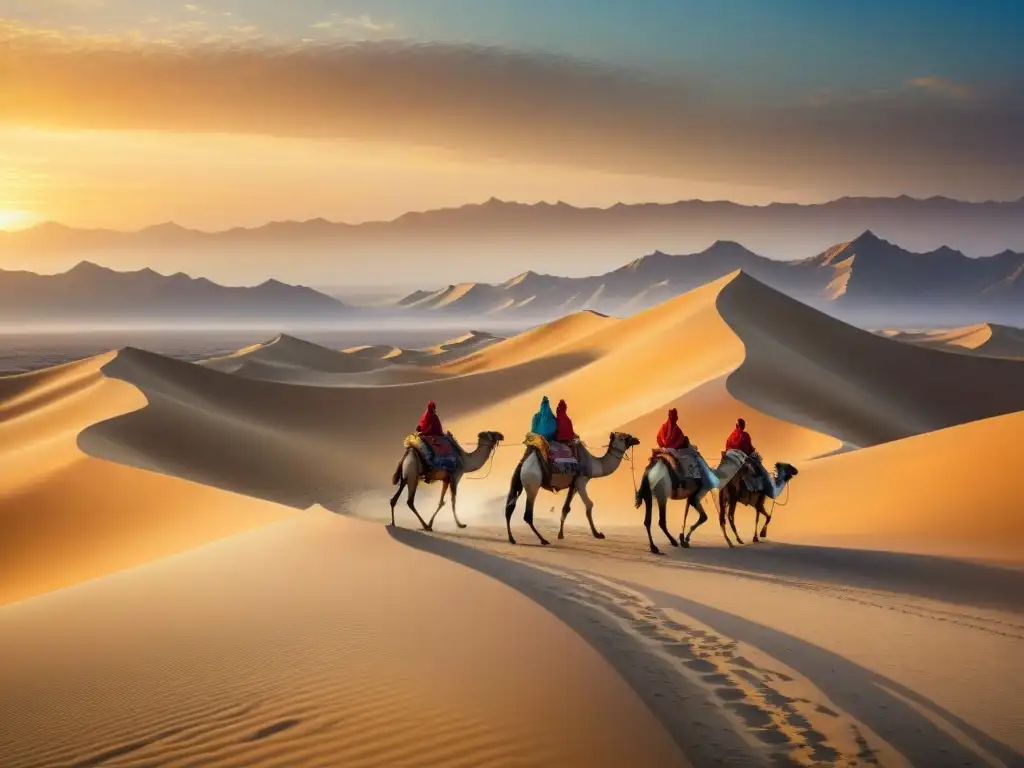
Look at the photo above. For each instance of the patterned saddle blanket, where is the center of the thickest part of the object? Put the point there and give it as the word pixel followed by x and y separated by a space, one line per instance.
pixel 437 452
pixel 682 462
pixel 757 481
pixel 561 458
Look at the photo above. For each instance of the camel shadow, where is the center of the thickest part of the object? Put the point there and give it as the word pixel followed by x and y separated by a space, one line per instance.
pixel 699 724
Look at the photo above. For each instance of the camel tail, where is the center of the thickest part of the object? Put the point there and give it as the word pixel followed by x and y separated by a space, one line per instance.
pixel 515 490
pixel 643 494
pixel 398 470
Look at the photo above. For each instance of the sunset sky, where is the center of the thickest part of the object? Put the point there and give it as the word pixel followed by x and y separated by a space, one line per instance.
pixel 125 113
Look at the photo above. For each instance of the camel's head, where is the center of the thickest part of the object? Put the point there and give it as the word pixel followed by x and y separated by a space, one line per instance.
pixel 490 437
pixel 784 471
pixel 623 440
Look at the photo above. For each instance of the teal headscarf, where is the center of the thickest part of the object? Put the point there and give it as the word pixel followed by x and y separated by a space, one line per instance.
pixel 544 422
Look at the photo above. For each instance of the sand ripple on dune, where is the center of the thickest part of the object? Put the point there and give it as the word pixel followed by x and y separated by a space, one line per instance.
pixel 318 641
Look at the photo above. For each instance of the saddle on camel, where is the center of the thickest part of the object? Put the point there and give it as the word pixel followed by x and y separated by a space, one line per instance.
pixel 436 448
pixel 555 439
pixel 676 452
pixel 758 481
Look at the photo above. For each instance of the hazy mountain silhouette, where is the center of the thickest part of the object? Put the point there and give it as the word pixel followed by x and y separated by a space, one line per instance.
pixel 865 279
pixel 476 240
pixel 89 292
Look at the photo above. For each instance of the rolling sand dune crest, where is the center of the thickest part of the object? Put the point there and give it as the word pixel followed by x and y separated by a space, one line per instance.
pixel 295 643
pixel 986 339
pixel 67 516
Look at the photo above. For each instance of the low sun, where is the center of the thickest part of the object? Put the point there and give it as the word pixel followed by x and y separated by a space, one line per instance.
pixel 15 219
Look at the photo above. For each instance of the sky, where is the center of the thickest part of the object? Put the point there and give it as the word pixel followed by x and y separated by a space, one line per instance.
pixel 126 113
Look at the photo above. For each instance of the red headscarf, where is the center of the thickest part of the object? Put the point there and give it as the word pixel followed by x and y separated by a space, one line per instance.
pixel 564 433
pixel 429 424
pixel 670 435
pixel 739 440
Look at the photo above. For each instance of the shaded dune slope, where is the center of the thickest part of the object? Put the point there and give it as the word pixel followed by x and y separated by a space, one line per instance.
pixel 804 366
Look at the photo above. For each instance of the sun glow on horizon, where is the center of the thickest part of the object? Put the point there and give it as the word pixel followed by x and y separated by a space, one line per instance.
pixel 13 218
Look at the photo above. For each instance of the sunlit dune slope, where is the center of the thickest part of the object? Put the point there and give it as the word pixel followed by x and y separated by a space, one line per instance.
pixel 985 339
pixel 953 491
pixel 317 641
pixel 65 516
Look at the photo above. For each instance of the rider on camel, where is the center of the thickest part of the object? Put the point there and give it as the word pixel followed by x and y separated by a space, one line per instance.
pixel 739 440
pixel 670 436
pixel 564 432
pixel 544 422
pixel 429 426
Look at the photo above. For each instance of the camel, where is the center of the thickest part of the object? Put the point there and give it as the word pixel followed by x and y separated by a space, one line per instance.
pixel 408 474
pixel 736 492
pixel 529 476
pixel 657 484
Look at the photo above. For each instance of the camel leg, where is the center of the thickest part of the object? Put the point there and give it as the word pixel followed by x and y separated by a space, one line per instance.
pixel 649 503
pixel 703 518
pixel 722 510
pixel 662 522
pixel 686 514
pixel 531 497
pixel 394 499
pixel 565 509
pixel 455 489
pixel 440 504
pixel 582 488
pixel 767 519
pixel 732 524
pixel 410 502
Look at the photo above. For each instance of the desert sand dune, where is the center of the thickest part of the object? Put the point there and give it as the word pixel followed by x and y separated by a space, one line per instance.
pixel 289 352
pixel 319 641
pixel 322 638
pixel 66 516
pixel 985 339
pixel 951 491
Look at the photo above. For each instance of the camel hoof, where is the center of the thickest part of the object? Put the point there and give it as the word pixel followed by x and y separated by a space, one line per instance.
pixel 684 544
pixel 731 545
pixel 561 535
pixel 598 535
pixel 655 551
pixel 462 525
pixel 673 542
pixel 739 541
pixel 511 540
pixel 764 534
pixel 545 543
pixel 756 540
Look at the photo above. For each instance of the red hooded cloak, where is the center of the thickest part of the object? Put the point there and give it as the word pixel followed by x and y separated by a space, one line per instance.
pixel 430 424
pixel 739 440
pixel 670 435
pixel 564 433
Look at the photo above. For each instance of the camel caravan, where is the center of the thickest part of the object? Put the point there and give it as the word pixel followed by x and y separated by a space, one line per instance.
pixel 557 460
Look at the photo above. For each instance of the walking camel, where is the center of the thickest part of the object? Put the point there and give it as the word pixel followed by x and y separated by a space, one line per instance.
pixel 411 470
pixel 736 492
pixel 657 484
pixel 529 476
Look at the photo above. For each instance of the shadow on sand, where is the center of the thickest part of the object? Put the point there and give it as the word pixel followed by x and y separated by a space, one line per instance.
pixel 699 724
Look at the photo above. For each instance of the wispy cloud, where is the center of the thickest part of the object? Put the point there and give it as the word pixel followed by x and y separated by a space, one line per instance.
pixel 365 22
pixel 942 87
pixel 490 102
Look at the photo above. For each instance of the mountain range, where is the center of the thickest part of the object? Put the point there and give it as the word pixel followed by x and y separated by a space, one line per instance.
pixel 478 240
pixel 96 294
pixel 866 280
